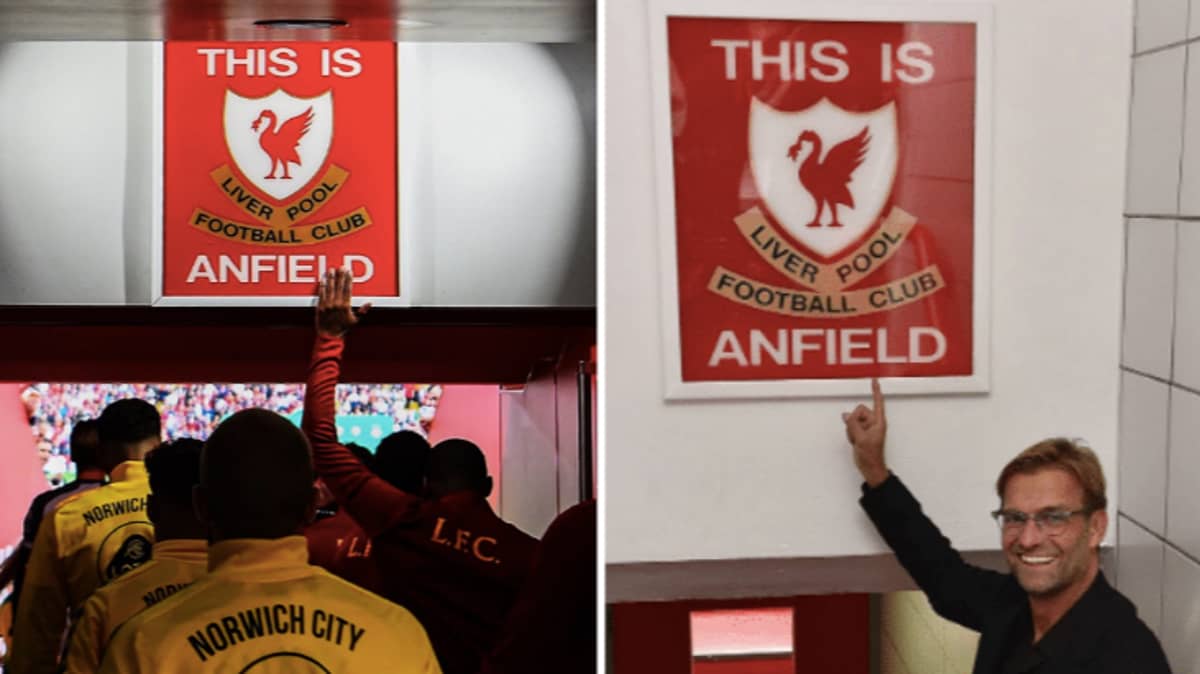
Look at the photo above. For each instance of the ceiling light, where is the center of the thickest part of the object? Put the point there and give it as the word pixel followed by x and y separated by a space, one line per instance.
pixel 314 24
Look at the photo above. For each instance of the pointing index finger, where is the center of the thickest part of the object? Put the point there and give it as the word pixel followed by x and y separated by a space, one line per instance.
pixel 877 397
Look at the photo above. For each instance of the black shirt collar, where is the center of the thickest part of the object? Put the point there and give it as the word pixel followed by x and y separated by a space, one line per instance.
pixel 1074 637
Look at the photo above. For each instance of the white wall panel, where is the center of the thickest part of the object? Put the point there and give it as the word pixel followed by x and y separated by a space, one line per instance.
pixel 62 171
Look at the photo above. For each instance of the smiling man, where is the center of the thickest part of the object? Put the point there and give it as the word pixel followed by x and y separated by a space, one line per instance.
pixel 1055 613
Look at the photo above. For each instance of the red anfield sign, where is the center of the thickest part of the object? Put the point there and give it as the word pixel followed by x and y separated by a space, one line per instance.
pixel 279 162
pixel 823 203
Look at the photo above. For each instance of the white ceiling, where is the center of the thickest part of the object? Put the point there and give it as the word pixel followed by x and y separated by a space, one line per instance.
pixel 417 20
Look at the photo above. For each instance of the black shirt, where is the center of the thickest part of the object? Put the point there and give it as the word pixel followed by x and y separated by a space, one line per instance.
pixel 1100 634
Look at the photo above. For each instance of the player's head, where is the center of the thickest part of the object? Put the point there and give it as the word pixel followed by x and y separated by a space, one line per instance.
pixel 361 453
pixel 401 459
pixel 85 444
pixel 174 469
pixel 457 465
pixel 256 478
pixel 128 429
pixel 45 449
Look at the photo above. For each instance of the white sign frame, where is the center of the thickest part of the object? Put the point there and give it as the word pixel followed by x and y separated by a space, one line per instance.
pixel 980 14
pixel 404 257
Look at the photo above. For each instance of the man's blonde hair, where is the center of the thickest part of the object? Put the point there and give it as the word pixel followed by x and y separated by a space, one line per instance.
pixel 1067 455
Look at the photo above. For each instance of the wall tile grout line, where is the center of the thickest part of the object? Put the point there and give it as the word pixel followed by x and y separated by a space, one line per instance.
pixel 1162 583
pixel 1165 47
pixel 1168 382
pixel 1128 232
pixel 1171 368
pixel 1166 499
pixel 1161 216
pixel 1187 58
pixel 1147 375
pixel 1165 541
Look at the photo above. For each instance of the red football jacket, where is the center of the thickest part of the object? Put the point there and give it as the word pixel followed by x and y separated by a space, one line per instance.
pixel 452 562
pixel 338 545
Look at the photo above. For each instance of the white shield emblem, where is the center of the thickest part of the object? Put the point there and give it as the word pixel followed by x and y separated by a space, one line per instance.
pixel 279 141
pixel 824 173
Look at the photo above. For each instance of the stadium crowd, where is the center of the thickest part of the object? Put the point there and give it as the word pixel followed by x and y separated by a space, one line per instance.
pixel 194 410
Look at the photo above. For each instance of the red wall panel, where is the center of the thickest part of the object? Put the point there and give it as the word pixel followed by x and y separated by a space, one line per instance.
pixel 755 665
pixel 472 412
pixel 20 473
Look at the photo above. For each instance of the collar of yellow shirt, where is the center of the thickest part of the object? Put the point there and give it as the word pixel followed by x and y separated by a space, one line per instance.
pixel 261 559
pixel 190 550
pixel 129 470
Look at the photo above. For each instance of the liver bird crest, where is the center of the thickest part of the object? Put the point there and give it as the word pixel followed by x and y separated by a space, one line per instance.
pixel 828 180
pixel 281 143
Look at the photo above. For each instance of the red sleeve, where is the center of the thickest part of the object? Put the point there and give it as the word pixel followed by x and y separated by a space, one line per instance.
pixel 372 502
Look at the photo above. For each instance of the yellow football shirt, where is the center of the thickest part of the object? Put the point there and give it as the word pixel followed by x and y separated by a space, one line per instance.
pixel 91 539
pixel 263 609
pixel 176 564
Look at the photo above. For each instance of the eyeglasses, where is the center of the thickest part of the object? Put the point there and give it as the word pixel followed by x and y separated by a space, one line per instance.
pixel 1049 522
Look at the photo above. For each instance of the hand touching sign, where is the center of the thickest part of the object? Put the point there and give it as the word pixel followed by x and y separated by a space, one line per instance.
pixel 335 315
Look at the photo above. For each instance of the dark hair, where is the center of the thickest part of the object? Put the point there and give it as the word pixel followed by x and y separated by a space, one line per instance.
pixel 127 422
pixel 174 468
pixel 401 460
pixel 361 453
pixel 257 473
pixel 458 464
pixel 85 444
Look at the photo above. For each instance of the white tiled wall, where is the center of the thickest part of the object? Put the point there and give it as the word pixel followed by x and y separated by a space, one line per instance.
pixel 1181 612
pixel 1158 563
pixel 1149 285
pixel 1142 462
pixel 1139 573
pixel 1187 307
pixel 1155 127
pixel 1159 22
pixel 1189 195
pixel 1183 499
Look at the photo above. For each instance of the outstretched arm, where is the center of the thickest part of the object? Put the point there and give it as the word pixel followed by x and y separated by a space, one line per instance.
pixel 957 590
pixel 372 502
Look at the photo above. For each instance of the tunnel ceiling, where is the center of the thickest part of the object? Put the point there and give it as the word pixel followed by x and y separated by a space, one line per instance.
pixel 415 21
pixel 104 344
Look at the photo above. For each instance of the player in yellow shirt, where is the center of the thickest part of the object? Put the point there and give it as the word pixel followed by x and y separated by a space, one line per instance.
pixel 180 555
pixel 262 608
pixel 91 539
